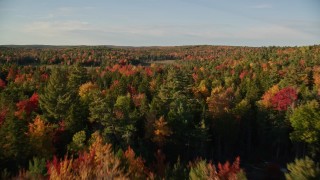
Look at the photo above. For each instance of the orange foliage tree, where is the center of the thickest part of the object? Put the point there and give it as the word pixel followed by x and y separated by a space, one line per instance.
pixel 40 134
pixel 220 101
pixel 98 163
pixel 161 132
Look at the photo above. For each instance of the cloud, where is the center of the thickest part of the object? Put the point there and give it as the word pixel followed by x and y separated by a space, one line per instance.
pixel 80 32
pixel 50 28
pixel 63 12
pixel 261 6
pixel 272 32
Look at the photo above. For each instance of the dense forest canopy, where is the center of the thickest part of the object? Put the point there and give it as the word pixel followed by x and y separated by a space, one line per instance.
pixel 100 111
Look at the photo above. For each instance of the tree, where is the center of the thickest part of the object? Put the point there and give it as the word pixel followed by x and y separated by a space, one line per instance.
pixel 99 163
pixel 56 99
pixel 101 113
pixel 25 107
pixel 136 167
pixel 113 118
pixel 78 142
pixel 220 101
pixel 2 84
pixel 126 117
pixel 161 132
pixel 201 90
pixel 284 98
pixel 77 113
pixel 123 107
pixel 268 95
pixel 40 134
pixel 14 149
pixel 176 86
pixel 305 121
pixel 86 90
pixel 77 76
pixel 303 169
pixel 203 170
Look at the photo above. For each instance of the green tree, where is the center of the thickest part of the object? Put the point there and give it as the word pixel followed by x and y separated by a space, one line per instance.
pixel 14 149
pixel 77 76
pixel 101 114
pixel 202 170
pixel 56 98
pixel 303 169
pixel 78 142
pixel 305 121
pixel 113 117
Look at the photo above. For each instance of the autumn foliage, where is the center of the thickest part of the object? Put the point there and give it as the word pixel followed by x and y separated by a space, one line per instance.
pixel 2 84
pixel 284 98
pixel 98 163
pixel 161 132
pixel 27 106
pixel 266 100
pixel 40 134
pixel 151 110
pixel 200 169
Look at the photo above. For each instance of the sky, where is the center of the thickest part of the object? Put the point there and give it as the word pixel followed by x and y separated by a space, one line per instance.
pixel 160 22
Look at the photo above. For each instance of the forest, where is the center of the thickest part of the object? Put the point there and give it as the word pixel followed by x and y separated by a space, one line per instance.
pixel 209 112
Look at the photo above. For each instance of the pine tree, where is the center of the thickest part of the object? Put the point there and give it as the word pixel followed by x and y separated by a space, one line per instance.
pixel 14 149
pixel 175 86
pixel 77 77
pixel 101 115
pixel 78 111
pixel 55 99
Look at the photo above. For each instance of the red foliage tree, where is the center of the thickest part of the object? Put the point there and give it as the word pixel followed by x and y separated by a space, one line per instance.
pixel 137 169
pixel 228 171
pixel 132 90
pixel 2 84
pixel 54 163
pixel 27 106
pixel 148 71
pixel 284 98
pixel 138 99
pixel 44 77
pixel 243 74
pixel 12 74
pixel 3 114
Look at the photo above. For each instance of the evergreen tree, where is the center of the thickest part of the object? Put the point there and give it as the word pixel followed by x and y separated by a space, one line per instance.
pixel 55 100
pixel 101 115
pixel 77 77
pixel 78 112
pixel 14 149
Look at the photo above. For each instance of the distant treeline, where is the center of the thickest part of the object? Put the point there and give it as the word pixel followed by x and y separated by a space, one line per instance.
pixel 103 55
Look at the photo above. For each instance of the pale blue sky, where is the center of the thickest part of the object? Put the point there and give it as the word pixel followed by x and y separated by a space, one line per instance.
pixel 160 22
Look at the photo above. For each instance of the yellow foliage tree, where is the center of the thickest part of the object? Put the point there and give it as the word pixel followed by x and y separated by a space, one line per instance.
pixel 267 96
pixel 161 131
pixel 201 90
pixel 220 100
pixel 40 134
pixel 316 77
pixel 86 88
